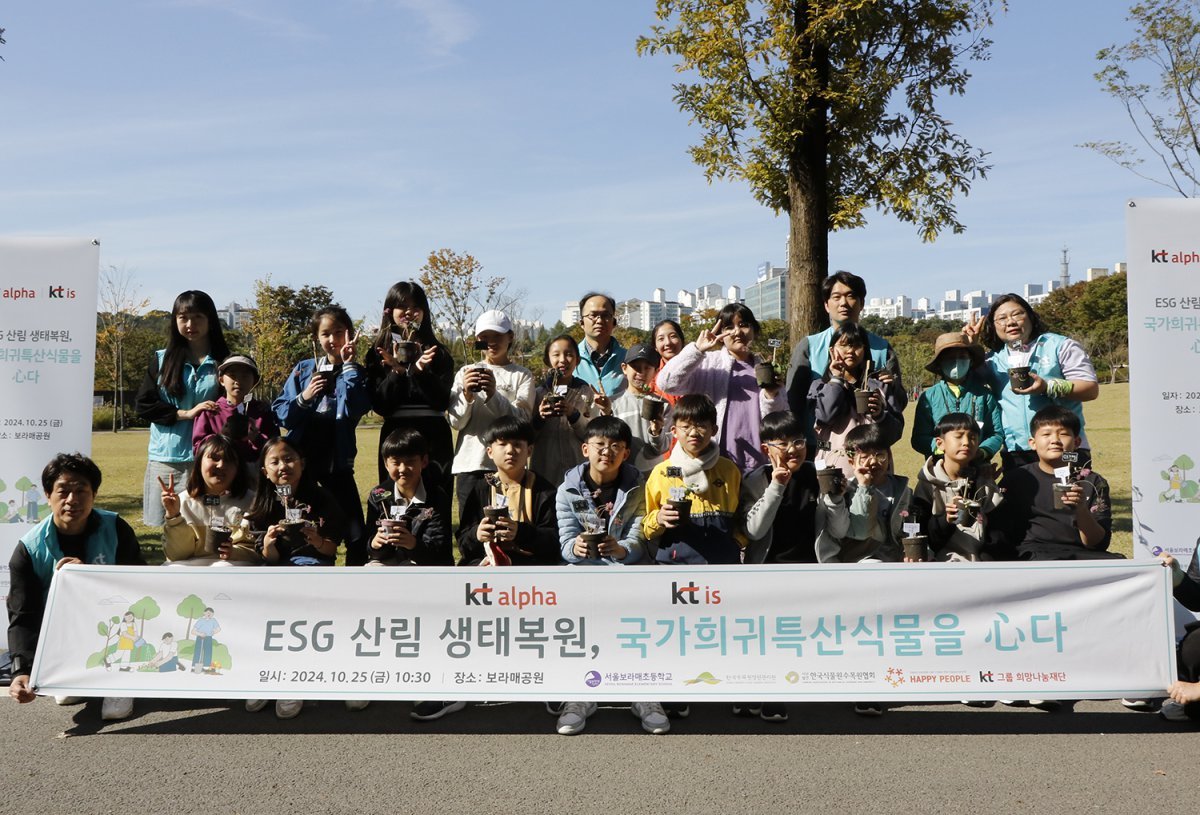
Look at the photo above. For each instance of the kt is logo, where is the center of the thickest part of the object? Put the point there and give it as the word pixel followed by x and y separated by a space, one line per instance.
pixel 691 594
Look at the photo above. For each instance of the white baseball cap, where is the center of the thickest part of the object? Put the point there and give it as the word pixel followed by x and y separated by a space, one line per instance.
pixel 493 321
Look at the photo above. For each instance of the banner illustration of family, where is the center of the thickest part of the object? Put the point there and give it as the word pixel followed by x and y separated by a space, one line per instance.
pixel 127 646
pixel 22 502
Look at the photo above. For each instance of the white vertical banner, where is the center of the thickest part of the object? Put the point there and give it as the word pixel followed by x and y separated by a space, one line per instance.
pixel 47 361
pixel 1163 250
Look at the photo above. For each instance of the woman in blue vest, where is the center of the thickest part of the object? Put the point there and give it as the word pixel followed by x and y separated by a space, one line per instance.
pixel 180 382
pixel 1060 372
pixel 74 532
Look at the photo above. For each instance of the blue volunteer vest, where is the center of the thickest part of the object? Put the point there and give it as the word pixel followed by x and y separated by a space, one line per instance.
pixel 42 544
pixel 1017 410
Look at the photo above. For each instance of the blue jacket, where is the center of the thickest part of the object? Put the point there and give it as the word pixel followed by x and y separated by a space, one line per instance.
pixel 976 400
pixel 353 401
pixel 624 522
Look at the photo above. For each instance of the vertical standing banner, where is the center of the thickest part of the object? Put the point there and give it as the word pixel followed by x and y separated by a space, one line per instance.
pixel 1163 246
pixel 47 361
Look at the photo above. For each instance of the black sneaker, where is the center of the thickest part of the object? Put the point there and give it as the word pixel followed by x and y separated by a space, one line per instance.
pixel 676 710
pixel 868 708
pixel 774 712
pixel 747 709
pixel 428 711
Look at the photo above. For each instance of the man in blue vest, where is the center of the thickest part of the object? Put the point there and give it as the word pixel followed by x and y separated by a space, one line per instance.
pixel 844 294
pixel 600 355
pixel 74 532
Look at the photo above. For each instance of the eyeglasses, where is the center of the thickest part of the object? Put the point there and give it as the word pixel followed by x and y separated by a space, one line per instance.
pixel 598 316
pixel 1012 317
pixel 871 458
pixel 793 446
pixel 614 448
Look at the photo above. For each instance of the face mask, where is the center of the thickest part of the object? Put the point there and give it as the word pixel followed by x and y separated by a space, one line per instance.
pixel 956 369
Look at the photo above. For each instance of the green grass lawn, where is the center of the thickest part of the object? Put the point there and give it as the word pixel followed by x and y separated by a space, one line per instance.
pixel 122 458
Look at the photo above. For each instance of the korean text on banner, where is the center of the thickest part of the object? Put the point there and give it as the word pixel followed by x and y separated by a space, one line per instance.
pixel 888 632
pixel 47 360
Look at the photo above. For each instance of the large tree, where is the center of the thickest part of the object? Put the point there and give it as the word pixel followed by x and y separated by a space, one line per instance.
pixel 827 107
pixel 1156 78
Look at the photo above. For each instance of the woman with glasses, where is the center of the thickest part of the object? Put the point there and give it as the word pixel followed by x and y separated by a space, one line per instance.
pixel 1031 367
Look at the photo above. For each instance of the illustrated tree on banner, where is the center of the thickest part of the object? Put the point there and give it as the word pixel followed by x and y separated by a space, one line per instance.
pixel 826 108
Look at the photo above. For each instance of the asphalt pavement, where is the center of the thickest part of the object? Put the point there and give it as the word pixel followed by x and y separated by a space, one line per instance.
pixel 201 757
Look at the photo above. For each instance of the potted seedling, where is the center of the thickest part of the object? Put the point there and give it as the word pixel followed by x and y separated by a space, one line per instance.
pixel 556 394
pixel 915 544
pixel 479 369
pixel 1018 365
pixel 405 348
pixel 764 372
pixel 830 478
pixel 219 532
pixel 862 394
pixel 680 496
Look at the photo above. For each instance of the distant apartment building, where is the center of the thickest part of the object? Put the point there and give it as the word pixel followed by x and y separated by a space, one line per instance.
pixel 570 313
pixel 889 308
pixel 233 317
pixel 767 295
pixel 645 314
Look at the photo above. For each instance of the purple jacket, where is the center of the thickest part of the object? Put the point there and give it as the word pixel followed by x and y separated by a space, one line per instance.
pixel 260 426
pixel 694 371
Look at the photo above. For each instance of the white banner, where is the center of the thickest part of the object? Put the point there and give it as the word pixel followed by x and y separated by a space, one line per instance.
pixel 47 360
pixel 1163 245
pixel 887 632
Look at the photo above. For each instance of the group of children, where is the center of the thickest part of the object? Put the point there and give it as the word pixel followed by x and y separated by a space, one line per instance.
pixel 568 471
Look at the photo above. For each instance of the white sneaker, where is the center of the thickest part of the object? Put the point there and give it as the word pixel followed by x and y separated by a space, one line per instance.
pixel 255 705
pixel 357 704
pixel 654 718
pixel 67 700
pixel 1140 705
pixel 288 708
pixel 115 708
pixel 1172 711
pixel 574 717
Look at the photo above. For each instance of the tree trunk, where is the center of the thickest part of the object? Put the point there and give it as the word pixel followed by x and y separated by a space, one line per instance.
pixel 808 201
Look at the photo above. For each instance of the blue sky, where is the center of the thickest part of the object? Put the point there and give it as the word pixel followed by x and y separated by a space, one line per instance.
pixel 207 143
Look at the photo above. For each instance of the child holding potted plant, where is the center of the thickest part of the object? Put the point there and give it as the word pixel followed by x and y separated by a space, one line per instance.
pixel 509 516
pixel 848 395
pixel 300 523
pixel 956 493
pixel 563 406
pixel 692 497
pixel 871 522
pixel 1060 508
pixel 249 422
pixel 320 407
pixel 406 512
pixel 647 414
pixel 199 523
pixel 412 392
pixel 600 505
pixel 483 392
pixel 960 389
